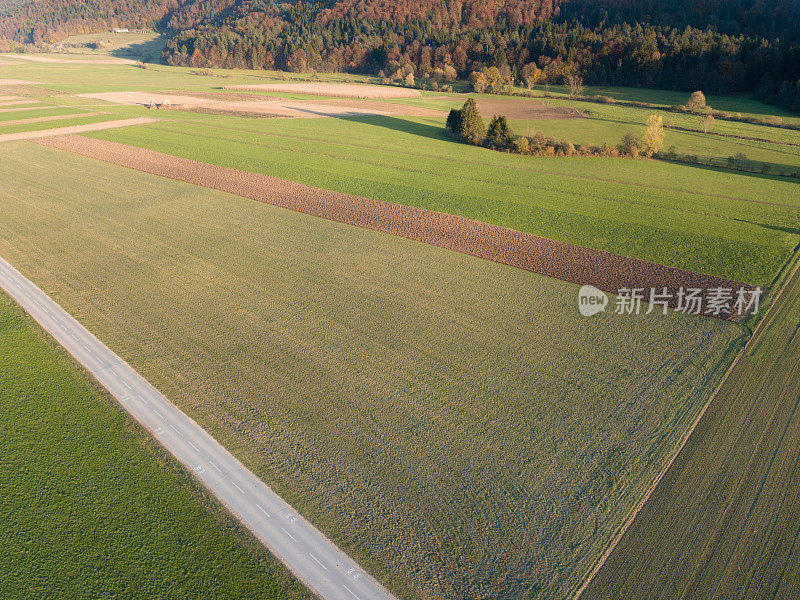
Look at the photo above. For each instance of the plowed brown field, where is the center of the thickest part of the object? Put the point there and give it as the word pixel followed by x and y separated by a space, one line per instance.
pixel 567 262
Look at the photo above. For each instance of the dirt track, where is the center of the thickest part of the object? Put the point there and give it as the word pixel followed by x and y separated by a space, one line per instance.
pixel 60 131
pixel 559 260
pixel 51 118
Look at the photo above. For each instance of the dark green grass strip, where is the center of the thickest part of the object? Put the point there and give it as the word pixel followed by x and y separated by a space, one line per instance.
pixel 90 507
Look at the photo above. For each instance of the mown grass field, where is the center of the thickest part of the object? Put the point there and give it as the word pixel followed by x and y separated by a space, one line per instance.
pixel 453 423
pixel 90 508
pixel 725 520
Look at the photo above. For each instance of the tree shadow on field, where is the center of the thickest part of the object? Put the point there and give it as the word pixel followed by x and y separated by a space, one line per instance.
pixel 388 122
pixel 402 125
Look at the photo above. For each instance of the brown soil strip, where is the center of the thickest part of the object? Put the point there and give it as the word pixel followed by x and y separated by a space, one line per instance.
pixel 52 118
pixel 7 98
pixel 567 262
pixel 525 108
pixel 73 61
pixel 29 135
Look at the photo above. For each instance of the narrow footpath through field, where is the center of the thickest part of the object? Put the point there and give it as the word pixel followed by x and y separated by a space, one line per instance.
pixel 72 129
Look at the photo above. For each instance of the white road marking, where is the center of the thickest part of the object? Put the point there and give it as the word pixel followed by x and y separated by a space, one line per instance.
pixel 316 560
pixel 237 487
pixel 289 534
pixel 142 398
pixel 262 510
pixel 126 384
pixel 351 591
pixel 196 449
pixel 215 466
pixel 158 414
pixel 178 431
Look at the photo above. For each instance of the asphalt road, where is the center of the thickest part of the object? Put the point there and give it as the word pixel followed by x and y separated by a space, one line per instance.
pixel 315 560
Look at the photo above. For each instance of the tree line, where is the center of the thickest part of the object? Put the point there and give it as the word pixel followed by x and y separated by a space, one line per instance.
pixel 605 42
pixel 720 46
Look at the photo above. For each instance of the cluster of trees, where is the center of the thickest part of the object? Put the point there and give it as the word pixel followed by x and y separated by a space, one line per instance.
pixel 466 124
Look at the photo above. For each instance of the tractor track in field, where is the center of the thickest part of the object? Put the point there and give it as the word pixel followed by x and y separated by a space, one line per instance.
pixel 762 326
pixel 552 258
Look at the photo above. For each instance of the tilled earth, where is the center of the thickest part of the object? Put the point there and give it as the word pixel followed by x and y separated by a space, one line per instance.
pixel 552 258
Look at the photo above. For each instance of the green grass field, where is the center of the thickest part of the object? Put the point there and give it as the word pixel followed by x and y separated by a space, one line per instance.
pixel 144 45
pixel 454 423
pixel 90 507
pixel 725 520
pixel 721 223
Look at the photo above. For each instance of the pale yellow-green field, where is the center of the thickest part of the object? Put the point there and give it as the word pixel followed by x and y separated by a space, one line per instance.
pixel 453 423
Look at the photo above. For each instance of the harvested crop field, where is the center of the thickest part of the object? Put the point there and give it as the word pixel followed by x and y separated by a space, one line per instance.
pixel 73 61
pixel 340 90
pixel 48 118
pixel 454 421
pixel 559 260
pixel 525 108
pixel 278 107
pixel 60 131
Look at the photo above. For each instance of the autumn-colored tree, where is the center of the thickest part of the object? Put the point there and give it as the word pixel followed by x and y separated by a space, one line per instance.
pixel 575 83
pixel 653 138
pixel 629 145
pixel 696 102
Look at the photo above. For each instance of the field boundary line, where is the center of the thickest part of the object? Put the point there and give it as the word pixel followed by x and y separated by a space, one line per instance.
pixel 552 258
pixel 762 325
pixel 42 133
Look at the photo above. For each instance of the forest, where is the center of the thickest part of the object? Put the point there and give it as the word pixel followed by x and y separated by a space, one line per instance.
pixel 719 46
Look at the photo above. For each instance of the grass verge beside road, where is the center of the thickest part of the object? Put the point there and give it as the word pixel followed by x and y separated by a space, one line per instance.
pixel 91 507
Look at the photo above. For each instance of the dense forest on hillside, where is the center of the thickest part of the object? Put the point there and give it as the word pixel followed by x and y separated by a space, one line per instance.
pixel 719 46
pixel 38 21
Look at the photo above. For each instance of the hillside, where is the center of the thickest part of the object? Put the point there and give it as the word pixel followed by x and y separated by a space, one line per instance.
pixel 721 47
